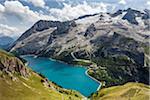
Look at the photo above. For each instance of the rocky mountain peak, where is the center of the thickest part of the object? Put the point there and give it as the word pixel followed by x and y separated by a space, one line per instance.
pixel 40 26
pixel 131 16
pixel 117 13
pixel 146 14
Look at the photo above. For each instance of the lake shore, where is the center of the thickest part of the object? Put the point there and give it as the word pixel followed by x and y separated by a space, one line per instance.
pixel 86 72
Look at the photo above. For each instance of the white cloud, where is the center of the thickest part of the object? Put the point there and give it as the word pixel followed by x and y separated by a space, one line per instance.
pixel 37 3
pixel 122 2
pixel 69 12
pixel 16 8
pixel 148 3
pixel 60 0
pixel 13 13
pixel 7 30
pixel 2 8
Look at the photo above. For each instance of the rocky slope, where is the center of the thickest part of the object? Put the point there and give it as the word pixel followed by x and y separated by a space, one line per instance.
pixel 17 82
pixel 117 43
pixel 11 65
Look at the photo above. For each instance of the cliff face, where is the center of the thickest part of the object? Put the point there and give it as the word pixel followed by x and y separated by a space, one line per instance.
pixel 11 64
pixel 17 82
pixel 117 41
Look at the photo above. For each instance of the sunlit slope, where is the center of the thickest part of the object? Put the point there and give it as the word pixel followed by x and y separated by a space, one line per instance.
pixel 129 91
pixel 23 84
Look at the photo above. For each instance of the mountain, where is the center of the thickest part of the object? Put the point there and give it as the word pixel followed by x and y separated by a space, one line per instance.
pixel 5 41
pixel 116 44
pixel 18 82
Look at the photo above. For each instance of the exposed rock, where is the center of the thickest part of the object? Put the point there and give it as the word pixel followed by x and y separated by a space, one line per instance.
pixel 90 31
pixel 131 16
pixel 38 27
pixel 117 13
pixel 11 64
pixel 147 14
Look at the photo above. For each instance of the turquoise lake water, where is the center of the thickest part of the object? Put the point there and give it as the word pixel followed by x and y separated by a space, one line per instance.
pixel 67 76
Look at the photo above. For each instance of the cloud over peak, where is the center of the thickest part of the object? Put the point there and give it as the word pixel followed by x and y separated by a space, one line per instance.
pixel 38 3
pixel 69 12
pixel 122 2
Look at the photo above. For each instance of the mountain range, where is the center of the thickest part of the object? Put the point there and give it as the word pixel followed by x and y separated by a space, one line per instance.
pixel 118 43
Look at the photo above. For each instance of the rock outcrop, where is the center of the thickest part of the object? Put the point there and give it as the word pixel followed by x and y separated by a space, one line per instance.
pixel 11 64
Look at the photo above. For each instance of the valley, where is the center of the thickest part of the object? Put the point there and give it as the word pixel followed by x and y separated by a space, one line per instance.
pixel 104 56
pixel 19 82
pixel 115 44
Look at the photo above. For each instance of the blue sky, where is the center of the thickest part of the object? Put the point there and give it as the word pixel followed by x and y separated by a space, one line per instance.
pixel 16 16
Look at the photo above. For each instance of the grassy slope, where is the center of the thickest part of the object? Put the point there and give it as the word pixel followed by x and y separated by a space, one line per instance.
pixel 30 88
pixel 129 91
